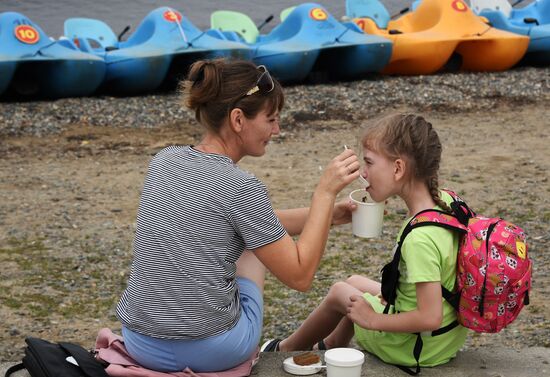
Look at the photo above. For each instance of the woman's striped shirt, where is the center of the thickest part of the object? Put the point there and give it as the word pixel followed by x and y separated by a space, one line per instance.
pixel 197 214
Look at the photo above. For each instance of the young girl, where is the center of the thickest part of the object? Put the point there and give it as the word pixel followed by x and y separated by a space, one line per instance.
pixel 206 230
pixel 402 154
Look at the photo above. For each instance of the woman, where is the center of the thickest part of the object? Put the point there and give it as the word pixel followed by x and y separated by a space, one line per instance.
pixel 206 229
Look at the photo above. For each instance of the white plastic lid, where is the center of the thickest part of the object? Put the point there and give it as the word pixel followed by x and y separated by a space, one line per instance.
pixel 344 357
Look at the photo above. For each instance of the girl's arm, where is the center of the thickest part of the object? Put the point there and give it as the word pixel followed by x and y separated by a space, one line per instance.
pixel 295 263
pixel 427 316
pixel 294 219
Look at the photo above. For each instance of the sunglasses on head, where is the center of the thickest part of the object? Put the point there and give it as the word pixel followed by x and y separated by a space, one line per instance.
pixel 264 84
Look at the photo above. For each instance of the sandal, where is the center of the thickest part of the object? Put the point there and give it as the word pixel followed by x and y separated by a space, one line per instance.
pixel 271 345
pixel 321 346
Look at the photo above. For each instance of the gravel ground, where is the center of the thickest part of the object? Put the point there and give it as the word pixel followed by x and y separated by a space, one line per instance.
pixel 71 172
pixel 450 93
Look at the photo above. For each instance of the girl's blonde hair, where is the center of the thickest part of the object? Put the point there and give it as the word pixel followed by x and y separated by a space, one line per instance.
pixel 215 87
pixel 412 138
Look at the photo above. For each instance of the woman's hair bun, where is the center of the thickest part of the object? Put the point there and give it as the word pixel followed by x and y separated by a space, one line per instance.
pixel 203 83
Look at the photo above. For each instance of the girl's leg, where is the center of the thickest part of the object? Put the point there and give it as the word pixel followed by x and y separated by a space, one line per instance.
pixel 323 320
pixel 365 284
pixel 340 337
pixel 343 333
pixel 250 267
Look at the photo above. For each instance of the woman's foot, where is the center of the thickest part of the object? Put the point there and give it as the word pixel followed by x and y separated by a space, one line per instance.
pixel 320 346
pixel 271 345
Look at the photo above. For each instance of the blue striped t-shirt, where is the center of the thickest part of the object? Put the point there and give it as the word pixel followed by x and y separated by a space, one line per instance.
pixel 197 213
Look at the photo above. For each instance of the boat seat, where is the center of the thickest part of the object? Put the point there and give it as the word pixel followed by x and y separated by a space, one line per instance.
pixel 500 5
pixel 372 9
pixel 90 29
pixel 227 20
pixel 66 42
pixel 285 12
pixel 537 10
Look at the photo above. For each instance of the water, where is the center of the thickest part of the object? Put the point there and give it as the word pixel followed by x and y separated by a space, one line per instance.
pixel 50 14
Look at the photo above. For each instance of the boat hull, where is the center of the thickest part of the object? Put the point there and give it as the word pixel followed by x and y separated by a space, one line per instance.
pixel 38 67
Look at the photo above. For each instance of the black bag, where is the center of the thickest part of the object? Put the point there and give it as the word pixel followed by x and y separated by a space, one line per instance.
pixel 45 359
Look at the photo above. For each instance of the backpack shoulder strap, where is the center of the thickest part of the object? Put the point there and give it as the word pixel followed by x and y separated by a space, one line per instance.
pixel 444 220
pixel 441 219
pixel 14 368
pixel 390 272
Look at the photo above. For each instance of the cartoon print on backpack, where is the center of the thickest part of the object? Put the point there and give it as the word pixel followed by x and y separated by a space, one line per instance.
pixel 477 242
pixel 470 282
pixel 521 247
pixel 500 310
pixel 482 235
pixel 494 252
pixel 511 262
pixel 499 281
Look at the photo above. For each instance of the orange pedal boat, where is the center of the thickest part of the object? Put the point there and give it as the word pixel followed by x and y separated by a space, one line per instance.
pixel 446 32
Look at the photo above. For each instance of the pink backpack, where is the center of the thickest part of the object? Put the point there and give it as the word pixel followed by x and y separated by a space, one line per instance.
pixel 493 269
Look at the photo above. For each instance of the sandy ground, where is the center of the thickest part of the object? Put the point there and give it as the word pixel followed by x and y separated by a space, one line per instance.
pixel 68 204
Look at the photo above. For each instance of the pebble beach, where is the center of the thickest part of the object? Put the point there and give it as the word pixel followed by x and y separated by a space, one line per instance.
pixel 71 172
pixel 447 92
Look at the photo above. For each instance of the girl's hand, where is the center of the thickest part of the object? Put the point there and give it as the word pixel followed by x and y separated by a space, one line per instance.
pixel 340 172
pixel 361 312
pixel 342 212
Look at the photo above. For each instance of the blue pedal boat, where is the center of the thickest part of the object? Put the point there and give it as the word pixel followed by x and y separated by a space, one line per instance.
pixel 156 56
pixel 311 41
pixel 132 68
pixel 32 65
pixel 532 20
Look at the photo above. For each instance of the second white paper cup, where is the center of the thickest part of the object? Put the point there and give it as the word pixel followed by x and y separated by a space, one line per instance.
pixel 367 219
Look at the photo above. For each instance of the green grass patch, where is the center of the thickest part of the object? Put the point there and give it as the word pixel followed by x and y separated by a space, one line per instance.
pixel 52 283
pixel 23 246
pixel 10 302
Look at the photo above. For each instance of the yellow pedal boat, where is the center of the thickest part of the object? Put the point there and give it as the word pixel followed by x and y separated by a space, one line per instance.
pixel 442 33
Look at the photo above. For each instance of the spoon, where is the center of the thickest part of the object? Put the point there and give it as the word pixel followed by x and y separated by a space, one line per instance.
pixel 364 181
pixel 361 178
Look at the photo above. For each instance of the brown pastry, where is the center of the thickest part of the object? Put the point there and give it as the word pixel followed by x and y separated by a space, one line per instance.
pixel 306 358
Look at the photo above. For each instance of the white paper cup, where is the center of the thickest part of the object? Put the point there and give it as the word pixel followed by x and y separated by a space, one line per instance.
pixel 367 219
pixel 344 362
